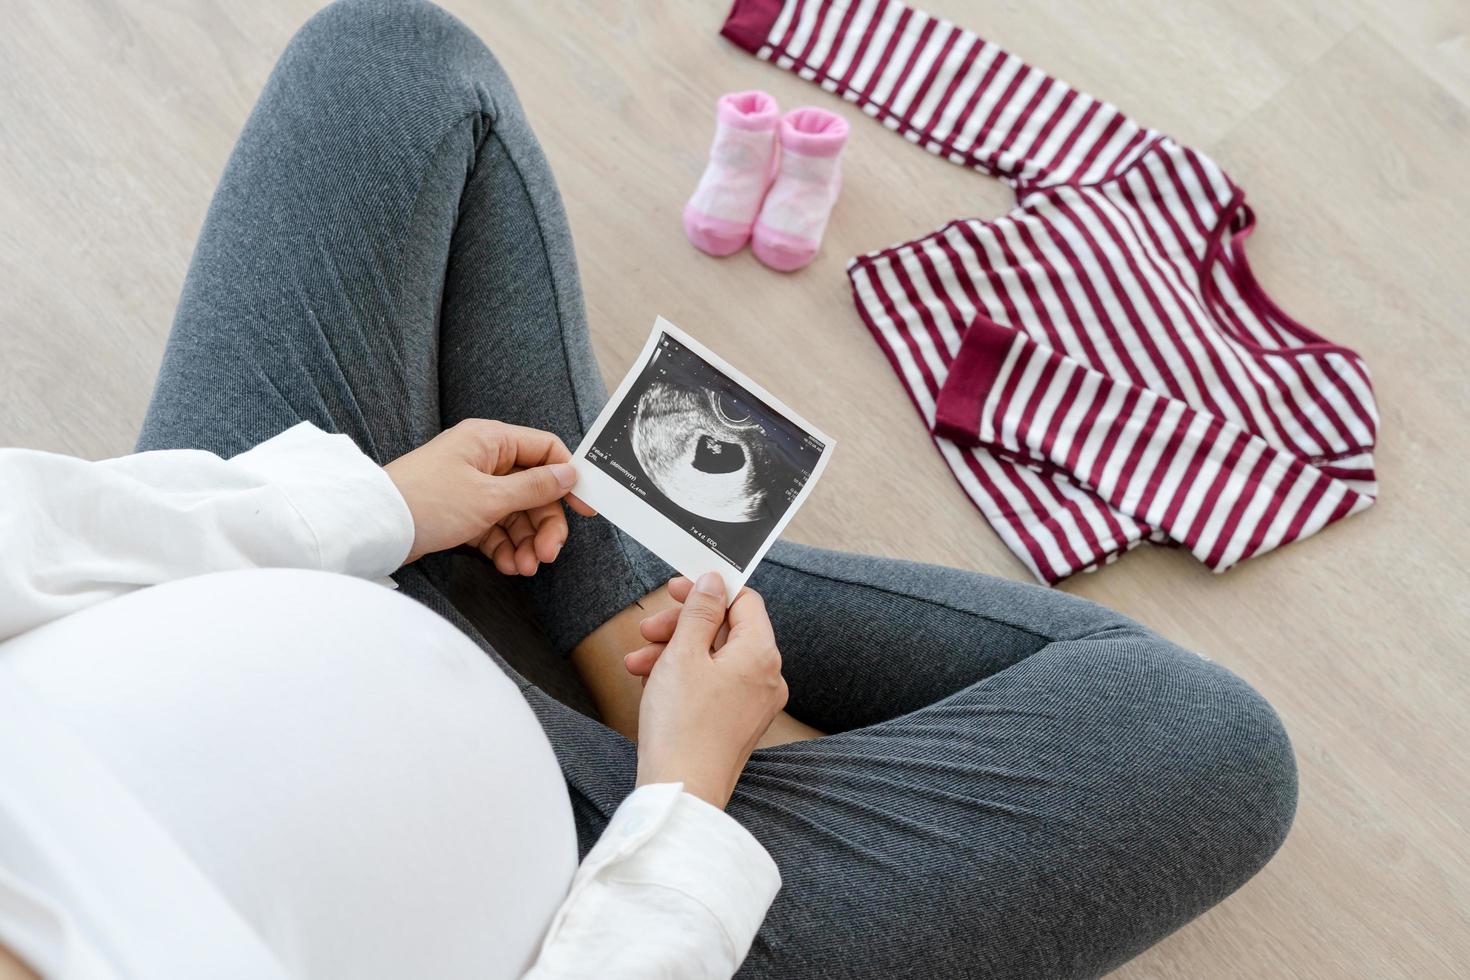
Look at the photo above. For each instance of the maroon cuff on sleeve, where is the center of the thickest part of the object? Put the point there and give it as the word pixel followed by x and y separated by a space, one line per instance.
pixel 749 22
pixel 982 353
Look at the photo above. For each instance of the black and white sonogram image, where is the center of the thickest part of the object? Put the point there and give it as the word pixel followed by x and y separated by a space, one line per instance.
pixel 701 450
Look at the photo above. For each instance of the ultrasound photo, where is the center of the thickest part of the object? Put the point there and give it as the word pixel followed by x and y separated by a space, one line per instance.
pixel 701 448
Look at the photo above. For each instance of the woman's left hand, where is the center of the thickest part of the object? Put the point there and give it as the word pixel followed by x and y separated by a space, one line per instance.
pixel 493 485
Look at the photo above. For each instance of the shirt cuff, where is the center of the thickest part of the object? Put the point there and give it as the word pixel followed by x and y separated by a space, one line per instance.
pixel 661 835
pixel 360 521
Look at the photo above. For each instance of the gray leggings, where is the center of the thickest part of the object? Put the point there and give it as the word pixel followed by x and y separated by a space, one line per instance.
pixel 1019 783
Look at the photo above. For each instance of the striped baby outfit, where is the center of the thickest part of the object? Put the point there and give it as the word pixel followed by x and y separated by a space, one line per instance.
pixel 1099 367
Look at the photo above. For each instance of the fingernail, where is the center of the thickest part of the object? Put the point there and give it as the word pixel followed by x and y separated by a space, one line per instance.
pixel 710 583
pixel 565 473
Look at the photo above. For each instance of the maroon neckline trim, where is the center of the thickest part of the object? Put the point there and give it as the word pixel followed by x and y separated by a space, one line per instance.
pixel 1231 254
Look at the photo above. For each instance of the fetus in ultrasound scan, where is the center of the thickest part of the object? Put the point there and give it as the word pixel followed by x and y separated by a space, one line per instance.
pixel 705 450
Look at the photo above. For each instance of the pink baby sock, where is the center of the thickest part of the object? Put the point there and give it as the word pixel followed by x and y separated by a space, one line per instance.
pixel 719 216
pixel 789 229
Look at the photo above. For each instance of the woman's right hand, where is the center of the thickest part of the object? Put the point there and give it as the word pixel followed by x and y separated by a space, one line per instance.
pixel 706 704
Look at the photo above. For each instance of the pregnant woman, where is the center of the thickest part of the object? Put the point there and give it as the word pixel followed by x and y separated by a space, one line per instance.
pixel 220 761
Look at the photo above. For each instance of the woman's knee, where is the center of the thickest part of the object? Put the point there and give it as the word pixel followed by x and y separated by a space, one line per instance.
pixel 405 54
pixel 387 23
pixel 1197 752
pixel 1118 785
pixel 1243 748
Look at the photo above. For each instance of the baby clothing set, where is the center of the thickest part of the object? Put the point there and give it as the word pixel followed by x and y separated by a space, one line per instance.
pixel 1099 367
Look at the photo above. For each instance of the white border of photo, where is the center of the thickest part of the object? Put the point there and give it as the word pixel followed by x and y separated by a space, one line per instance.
pixel 638 518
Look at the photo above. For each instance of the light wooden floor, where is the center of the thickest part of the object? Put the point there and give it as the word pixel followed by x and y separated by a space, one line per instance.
pixel 1347 120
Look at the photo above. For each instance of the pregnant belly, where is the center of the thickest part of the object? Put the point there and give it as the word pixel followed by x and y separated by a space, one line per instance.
pixel 359 781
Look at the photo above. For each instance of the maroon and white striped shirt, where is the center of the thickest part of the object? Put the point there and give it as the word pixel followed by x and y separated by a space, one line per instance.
pixel 1099 367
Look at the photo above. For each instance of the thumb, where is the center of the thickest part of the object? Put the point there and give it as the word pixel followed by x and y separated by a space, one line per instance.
pixel 532 487
pixel 702 615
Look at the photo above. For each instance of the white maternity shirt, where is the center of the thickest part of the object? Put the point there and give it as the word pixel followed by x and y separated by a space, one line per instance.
pixel 223 755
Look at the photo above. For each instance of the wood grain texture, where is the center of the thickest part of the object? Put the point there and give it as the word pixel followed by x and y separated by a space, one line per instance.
pixel 1348 121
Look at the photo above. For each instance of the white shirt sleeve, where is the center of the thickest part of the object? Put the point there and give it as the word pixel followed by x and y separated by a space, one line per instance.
pixel 74 532
pixel 674 888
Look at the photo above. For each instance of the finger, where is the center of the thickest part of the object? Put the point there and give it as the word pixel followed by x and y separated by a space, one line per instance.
pixel 581 506
pixel 640 662
pixel 550 522
pixel 497 547
pixel 529 488
pixel 523 447
pixel 505 558
pixel 748 616
pixel 492 539
pixel 517 526
pixel 659 628
pixel 680 587
pixel 701 616
pixel 523 536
